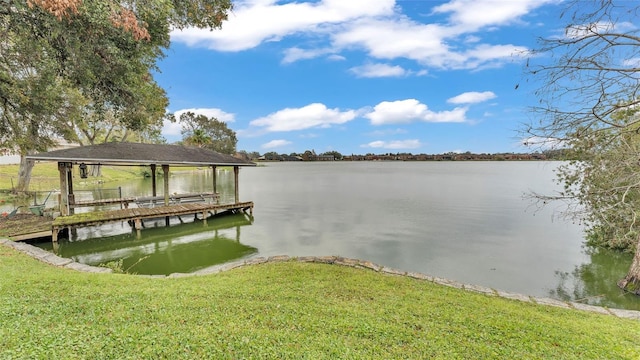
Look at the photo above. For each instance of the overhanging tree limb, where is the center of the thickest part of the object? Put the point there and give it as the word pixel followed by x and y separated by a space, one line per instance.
pixel 589 102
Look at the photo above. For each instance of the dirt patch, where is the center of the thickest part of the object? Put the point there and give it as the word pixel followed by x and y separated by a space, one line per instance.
pixel 20 224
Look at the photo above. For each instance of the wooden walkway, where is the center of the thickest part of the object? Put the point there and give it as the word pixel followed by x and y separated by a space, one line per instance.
pixel 136 215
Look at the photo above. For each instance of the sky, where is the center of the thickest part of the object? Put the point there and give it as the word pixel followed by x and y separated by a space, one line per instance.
pixel 363 76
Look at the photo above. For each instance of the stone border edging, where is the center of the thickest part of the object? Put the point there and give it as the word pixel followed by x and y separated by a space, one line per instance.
pixel 55 260
pixel 51 258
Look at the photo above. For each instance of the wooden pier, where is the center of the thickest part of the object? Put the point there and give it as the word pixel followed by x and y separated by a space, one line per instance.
pixel 148 207
pixel 135 216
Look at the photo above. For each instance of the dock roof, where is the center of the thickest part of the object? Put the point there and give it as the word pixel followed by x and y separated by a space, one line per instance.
pixel 126 153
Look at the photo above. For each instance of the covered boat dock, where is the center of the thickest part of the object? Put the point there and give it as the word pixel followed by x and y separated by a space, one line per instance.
pixel 155 156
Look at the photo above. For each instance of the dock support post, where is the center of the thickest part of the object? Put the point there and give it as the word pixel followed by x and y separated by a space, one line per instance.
pixel 165 170
pixel 54 235
pixel 138 225
pixel 204 217
pixel 153 180
pixel 71 197
pixel 236 171
pixel 215 184
pixel 63 169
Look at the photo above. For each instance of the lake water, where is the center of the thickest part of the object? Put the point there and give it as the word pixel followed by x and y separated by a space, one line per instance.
pixel 465 221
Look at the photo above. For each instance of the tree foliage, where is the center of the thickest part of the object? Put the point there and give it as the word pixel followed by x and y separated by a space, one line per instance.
pixel 588 102
pixel 79 70
pixel 336 155
pixel 209 133
pixel 606 184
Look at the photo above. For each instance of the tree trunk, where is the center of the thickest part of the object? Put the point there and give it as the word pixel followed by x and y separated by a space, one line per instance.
pixel 24 174
pixel 631 282
pixel 95 170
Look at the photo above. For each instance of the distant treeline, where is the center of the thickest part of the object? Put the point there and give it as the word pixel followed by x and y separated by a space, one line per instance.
pixel 310 155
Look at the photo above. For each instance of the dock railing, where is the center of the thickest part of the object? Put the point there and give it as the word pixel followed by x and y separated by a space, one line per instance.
pixel 153 201
pixel 148 201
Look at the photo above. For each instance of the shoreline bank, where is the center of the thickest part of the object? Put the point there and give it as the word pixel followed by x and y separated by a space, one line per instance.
pixel 52 259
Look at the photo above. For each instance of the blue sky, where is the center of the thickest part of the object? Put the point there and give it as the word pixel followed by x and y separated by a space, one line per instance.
pixel 363 76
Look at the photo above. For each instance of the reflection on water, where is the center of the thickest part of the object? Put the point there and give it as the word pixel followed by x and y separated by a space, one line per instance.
pixel 164 250
pixel 594 282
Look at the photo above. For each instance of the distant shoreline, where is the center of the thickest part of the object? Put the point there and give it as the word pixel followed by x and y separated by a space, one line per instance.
pixel 467 156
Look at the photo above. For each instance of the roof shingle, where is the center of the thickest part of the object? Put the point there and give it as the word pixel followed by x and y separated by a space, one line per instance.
pixel 123 153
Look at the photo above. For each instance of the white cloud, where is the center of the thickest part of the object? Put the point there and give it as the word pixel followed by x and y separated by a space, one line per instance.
pixel 394 145
pixel 311 116
pixel 486 56
pixel 402 38
pixel 433 45
pixel 633 62
pixel 472 39
pixel 472 15
pixel 276 144
pixel 208 112
pixel 581 30
pixel 171 129
pixel 409 110
pixel 536 142
pixel 294 54
pixel 308 136
pixel 335 57
pixel 379 133
pixel 378 70
pixel 472 97
pixel 254 22
pixel 378 27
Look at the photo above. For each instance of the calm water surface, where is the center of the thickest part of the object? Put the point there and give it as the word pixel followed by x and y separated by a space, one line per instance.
pixel 465 221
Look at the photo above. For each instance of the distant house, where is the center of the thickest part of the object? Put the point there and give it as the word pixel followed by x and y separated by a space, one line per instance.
pixel 290 158
pixel 325 158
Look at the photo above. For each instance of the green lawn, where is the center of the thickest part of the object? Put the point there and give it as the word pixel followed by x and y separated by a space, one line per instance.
pixel 45 176
pixel 283 310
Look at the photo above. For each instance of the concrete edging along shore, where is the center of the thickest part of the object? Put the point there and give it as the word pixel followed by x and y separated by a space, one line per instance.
pixel 55 260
